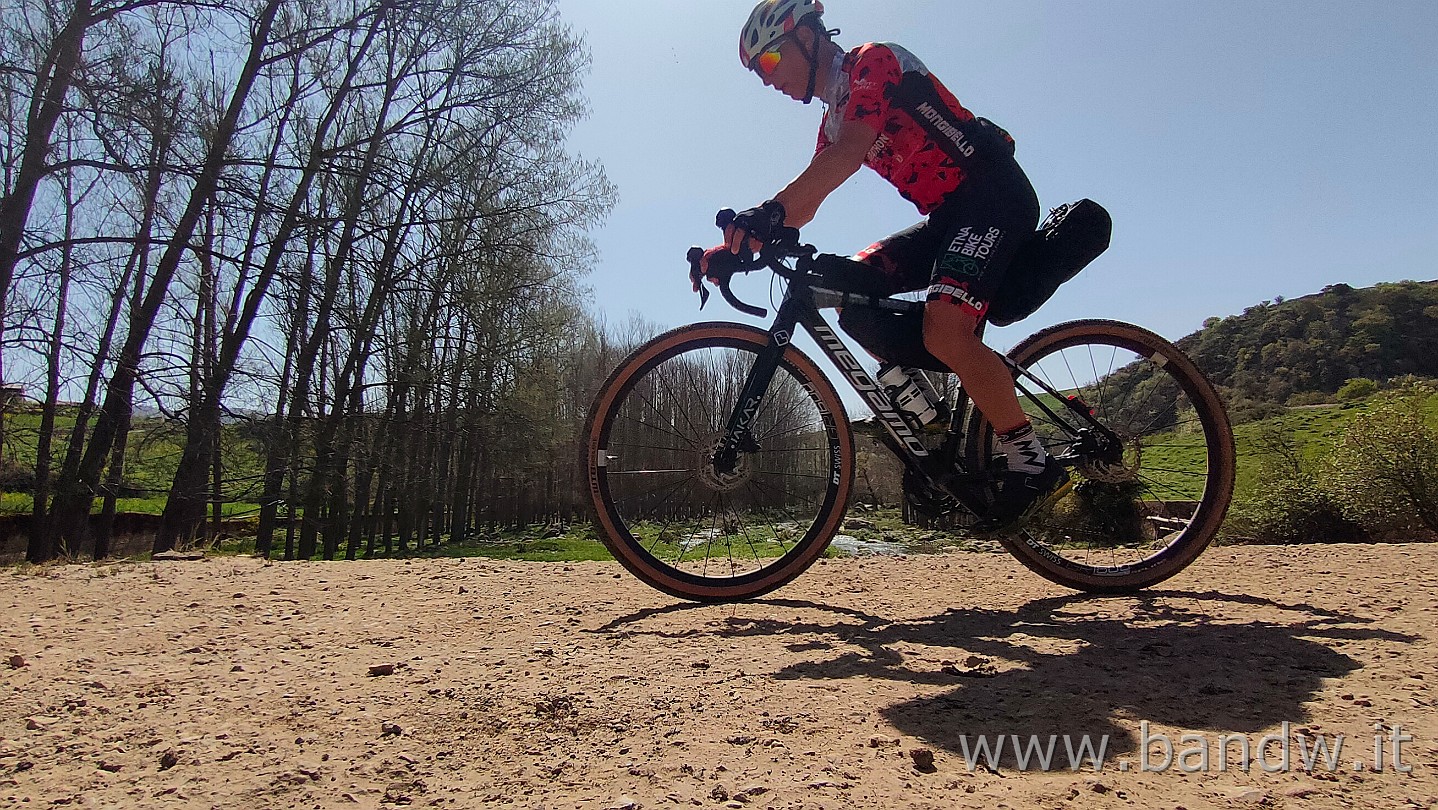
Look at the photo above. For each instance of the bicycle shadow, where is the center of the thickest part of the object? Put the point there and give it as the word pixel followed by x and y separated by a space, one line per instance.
pixel 1069 666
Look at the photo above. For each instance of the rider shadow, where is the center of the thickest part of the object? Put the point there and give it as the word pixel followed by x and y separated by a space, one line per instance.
pixel 1055 667
pixel 736 627
pixel 1049 669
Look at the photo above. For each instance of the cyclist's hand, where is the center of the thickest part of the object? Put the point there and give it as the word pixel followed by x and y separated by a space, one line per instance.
pixel 716 260
pixel 758 224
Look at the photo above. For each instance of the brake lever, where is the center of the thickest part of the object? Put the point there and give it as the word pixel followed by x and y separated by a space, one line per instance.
pixel 695 256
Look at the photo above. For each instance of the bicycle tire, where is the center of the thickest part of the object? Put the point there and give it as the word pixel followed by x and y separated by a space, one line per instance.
pixel 1047 544
pixel 642 398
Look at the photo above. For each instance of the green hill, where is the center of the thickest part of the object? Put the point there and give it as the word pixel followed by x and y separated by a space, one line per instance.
pixel 1282 351
pixel 151 456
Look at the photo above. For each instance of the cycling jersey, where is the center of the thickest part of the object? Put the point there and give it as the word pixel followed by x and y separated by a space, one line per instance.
pixel 928 143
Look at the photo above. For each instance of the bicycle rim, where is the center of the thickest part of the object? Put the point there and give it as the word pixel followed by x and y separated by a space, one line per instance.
pixel 678 521
pixel 1142 510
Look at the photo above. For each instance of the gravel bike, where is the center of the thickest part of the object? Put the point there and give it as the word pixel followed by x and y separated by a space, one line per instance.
pixel 720 459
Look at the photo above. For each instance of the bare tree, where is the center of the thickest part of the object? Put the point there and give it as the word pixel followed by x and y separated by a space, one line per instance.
pixel 75 495
pixel 184 509
pixel 54 75
pixel 364 223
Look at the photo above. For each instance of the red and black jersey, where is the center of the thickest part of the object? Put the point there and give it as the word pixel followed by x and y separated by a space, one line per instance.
pixel 928 142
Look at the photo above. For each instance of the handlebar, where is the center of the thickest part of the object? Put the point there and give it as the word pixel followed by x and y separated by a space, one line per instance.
pixel 784 245
pixel 721 278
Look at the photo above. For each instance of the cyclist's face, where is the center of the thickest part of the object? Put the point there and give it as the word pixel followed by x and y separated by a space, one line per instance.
pixel 790 75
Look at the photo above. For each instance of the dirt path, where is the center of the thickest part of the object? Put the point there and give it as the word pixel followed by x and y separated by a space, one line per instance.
pixel 232 683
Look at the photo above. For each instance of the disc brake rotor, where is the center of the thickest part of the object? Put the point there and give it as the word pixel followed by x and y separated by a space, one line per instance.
pixel 726 481
pixel 1118 470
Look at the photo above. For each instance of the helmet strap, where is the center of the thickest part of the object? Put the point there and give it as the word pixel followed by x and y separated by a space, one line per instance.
pixel 813 56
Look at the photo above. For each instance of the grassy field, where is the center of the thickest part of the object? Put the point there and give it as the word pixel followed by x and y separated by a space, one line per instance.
pixel 21 503
pixel 151 456
pixel 578 542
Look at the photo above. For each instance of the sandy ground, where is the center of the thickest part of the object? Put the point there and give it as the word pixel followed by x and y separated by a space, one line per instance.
pixel 235 683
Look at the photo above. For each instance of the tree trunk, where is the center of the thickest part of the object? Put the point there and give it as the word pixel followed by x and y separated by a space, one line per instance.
pixel 114 479
pixel 42 545
pixel 52 83
pixel 184 510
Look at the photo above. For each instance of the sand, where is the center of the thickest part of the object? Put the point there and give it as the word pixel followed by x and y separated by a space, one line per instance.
pixel 231 682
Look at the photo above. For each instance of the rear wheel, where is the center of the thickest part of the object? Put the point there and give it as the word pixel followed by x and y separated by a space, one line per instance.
pixel 1149 493
pixel 722 532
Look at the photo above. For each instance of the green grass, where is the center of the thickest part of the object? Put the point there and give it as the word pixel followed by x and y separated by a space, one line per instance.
pixel 1166 460
pixel 1169 458
pixel 1313 431
pixel 579 543
pixel 573 546
pixel 23 503
pixel 152 454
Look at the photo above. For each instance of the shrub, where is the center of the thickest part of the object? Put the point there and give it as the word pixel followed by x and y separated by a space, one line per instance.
pixel 1384 469
pixel 1293 509
pixel 1308 398
pixel 1103 513
pixel 1356 389
pixel 1242 409
pixel 1292 505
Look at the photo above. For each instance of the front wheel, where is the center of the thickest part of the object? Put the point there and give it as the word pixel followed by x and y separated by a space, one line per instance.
pixel 705 531
pixel 1151 485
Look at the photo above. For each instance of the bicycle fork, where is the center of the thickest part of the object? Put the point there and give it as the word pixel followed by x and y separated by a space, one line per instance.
pixel 738 434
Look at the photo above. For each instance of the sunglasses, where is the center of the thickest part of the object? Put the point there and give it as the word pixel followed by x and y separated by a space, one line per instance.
pixel 767 62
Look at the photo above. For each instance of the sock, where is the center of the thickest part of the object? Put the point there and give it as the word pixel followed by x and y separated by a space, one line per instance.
pixel 1025 453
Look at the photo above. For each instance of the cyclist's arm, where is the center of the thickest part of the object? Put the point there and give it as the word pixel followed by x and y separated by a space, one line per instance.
pixel 828 170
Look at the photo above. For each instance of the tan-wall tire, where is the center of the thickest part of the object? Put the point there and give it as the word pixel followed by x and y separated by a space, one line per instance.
pixel 611 528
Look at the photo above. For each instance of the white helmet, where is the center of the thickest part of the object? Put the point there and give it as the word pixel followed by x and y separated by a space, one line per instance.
pixel 773 19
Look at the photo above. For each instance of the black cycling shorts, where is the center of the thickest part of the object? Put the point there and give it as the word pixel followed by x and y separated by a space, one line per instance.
pixel 960 253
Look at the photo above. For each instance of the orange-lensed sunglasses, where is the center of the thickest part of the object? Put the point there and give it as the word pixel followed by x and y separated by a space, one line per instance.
pixel 767 62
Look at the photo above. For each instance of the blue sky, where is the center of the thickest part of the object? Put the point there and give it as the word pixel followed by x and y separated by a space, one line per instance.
pixel 1246 149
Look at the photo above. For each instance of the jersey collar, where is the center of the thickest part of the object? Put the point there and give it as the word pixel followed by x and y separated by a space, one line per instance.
pixel 838 88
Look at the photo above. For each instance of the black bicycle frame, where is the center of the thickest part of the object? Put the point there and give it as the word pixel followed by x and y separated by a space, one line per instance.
pixel 800 307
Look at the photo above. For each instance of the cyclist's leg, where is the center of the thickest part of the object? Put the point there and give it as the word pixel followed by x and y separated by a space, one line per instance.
pixel 902 262
pixel 983 225
pixel 905 258
pixel 983 230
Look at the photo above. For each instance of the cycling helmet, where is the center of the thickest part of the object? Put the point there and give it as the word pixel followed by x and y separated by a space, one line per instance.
pixel 773 19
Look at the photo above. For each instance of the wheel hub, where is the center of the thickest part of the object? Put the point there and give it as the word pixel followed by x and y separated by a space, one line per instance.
pixel 723 480
pixel 1117 468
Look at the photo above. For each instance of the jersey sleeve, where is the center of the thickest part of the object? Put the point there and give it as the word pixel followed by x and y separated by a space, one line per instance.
pixel 875 75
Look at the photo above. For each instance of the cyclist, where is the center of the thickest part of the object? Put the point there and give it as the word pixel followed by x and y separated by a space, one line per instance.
pixel 885 110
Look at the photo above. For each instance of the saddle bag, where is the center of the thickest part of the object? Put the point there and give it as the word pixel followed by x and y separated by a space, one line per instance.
pixel 1072 236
